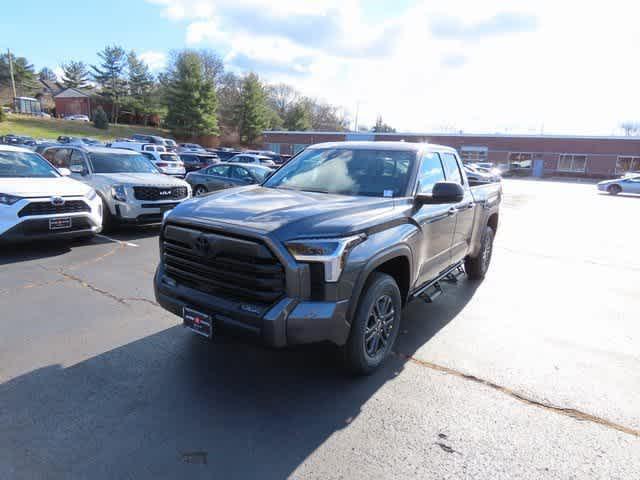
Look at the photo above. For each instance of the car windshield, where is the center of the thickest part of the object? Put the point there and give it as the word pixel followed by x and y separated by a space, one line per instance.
pixel 346 171
pixel 121 163
pixel 23 164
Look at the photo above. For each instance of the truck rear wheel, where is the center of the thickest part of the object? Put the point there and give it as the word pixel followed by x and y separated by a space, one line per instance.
pixel 375 325
pixel 477 267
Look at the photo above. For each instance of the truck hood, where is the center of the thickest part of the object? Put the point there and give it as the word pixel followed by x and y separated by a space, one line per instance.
pixel 288 213
pixel 145 179
pixel 43 187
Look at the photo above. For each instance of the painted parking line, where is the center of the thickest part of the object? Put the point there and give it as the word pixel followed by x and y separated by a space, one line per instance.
pixel 114 240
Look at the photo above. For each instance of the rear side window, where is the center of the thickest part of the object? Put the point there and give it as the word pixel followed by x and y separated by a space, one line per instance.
pixel 220 170
pixel 451 168
pixel 77 158
pixel 430 172
pixel 59 157
pixel 240 173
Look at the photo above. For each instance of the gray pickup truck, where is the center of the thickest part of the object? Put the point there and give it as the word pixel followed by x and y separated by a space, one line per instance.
pixel 330 247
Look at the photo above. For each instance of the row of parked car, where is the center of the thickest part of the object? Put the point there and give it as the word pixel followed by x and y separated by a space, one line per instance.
pixel 79 186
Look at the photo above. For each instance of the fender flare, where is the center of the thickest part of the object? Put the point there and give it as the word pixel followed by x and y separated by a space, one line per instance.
pixel 390 253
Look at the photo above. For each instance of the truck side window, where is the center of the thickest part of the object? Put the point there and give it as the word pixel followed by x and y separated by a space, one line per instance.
pixel 451 168
pixel 430 172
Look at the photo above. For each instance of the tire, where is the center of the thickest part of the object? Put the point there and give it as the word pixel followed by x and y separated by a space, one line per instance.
pixel 107 218
pixel 477 267
pixel 377 320
pixel 614 189
pixel 200 190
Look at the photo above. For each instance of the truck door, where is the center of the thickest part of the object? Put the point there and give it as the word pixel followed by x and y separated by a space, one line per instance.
pixel 436 221
pixel 464 211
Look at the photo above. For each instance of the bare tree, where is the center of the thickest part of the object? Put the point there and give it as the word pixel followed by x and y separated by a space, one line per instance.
pixel 630 128
pixel 282 97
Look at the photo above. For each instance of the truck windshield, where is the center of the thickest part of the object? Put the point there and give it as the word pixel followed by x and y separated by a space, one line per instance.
pixel 23 164
pixel 121 163
pixel 346 171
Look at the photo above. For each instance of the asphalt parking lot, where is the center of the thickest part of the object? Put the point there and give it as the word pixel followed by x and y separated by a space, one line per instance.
pixel 533 373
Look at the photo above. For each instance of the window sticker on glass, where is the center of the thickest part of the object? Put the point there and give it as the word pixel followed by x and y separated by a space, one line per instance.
pixel 388 193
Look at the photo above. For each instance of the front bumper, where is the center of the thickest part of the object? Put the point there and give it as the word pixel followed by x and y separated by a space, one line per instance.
pixel 140 213
pixel 16 228
pixel 288 321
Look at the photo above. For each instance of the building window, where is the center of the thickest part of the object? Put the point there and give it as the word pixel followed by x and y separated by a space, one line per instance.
pixel 473 154
pixel 572 163
pixel 273 147
pixel 628 164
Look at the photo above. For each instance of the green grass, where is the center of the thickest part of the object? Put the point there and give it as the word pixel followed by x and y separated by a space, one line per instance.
pixel 51 128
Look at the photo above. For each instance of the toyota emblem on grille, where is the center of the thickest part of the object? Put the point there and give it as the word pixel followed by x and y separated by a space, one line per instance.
pixel 202 245
pixel 57 201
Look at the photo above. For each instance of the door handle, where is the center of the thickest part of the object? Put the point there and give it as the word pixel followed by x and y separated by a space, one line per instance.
pixel 453 211
pixel 470 205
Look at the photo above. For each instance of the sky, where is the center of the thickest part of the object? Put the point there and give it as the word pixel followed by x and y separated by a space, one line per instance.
pixel 553 67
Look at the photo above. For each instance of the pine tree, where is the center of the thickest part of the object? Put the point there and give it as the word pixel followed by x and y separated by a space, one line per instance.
pixel 140 83
pixel 100 119
pixel 298 118
pixel 75 75
pixel 110 76
pixel 381 127
pixel 191 97
pixel 252 114
pixel 46 74
pixel 23 73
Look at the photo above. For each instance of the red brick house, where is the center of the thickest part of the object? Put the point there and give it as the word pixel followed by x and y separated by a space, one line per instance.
pixel 73 101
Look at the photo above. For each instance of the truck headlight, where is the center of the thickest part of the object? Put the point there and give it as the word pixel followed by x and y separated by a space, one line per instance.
pixel 6 199
pixel 118 192
pixel 332 252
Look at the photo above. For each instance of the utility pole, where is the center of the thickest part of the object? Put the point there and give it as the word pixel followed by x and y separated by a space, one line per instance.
pixel 13 80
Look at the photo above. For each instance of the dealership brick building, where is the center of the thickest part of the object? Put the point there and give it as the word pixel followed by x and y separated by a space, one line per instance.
pixel 544 155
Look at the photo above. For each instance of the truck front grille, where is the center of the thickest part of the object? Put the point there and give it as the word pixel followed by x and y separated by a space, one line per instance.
pixel 160 193
pixel 48 208
pixel 222 265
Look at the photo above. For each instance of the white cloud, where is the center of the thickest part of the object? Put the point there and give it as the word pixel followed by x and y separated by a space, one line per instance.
pixel 155 60
pixel 479 66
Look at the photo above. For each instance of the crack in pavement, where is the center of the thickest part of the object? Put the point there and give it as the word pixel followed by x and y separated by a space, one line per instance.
pixel 121 300
pixel 567 412
pixel 92 287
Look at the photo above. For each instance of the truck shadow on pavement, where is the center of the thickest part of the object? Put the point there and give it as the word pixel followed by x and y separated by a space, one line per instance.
pixel 173 405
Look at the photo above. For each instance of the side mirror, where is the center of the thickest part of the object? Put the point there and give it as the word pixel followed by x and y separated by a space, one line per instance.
pixel 442 193
pixel 78 169
pixel 65 172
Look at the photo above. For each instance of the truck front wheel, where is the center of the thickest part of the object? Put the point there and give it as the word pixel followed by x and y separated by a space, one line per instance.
pixel 477 267
pixel 375 325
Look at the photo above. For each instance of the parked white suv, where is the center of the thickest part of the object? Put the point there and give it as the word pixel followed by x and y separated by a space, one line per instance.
pixel 130 186
pixel 38 201
pixel 167 162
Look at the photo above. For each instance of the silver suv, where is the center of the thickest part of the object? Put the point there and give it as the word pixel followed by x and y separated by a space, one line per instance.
pixel 130 186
